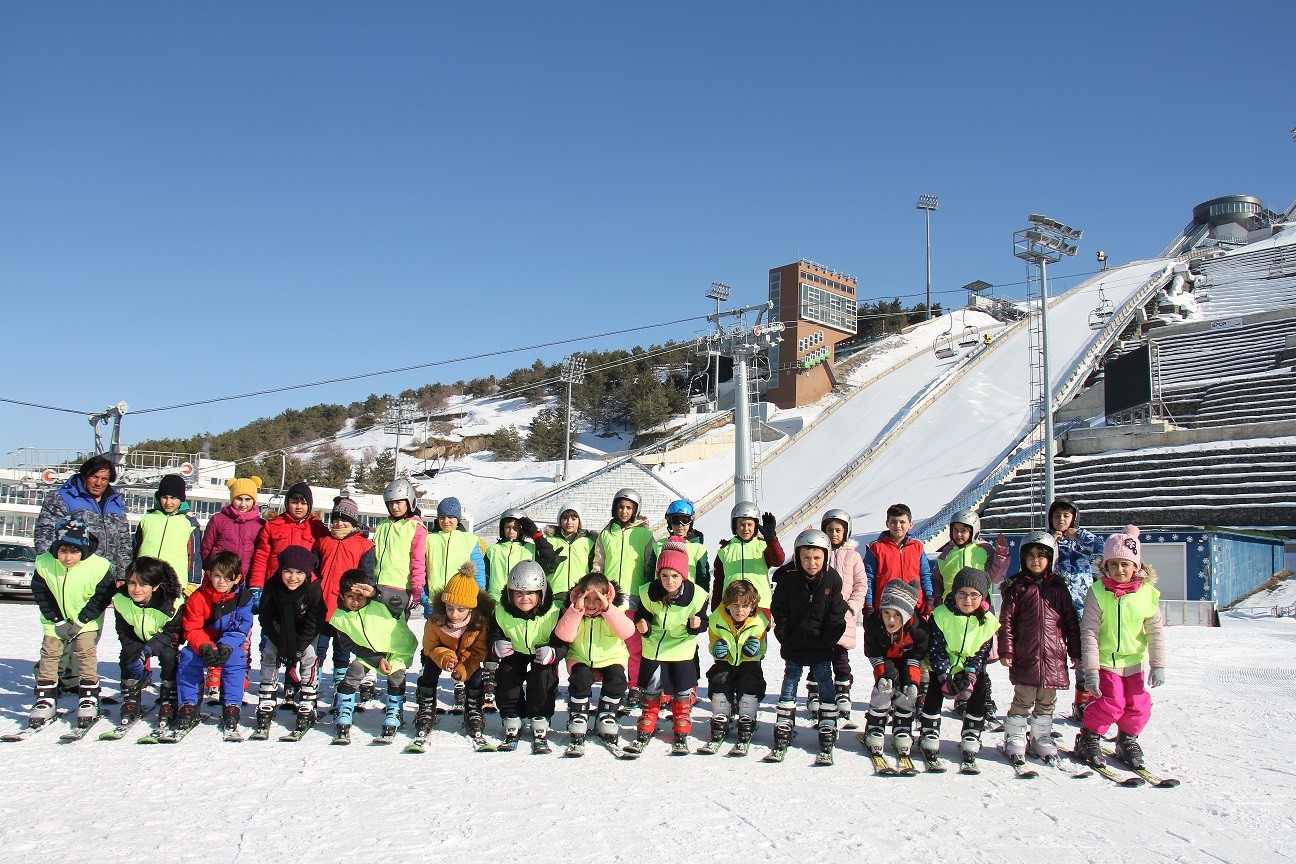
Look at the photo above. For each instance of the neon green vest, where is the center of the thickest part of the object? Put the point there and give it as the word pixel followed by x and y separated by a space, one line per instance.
pixel 500 559
pixel 373 627
pixel 393 540
pixel 526 634
pixel 160 539
pixel 669 639
pixel 956 558
pixel 964 635
pixel 623 556
pixel 446 553
pixel 1122 641
pixel 746 561
pixel 597 645
pixel 722 629
pixel 72 589
pixel 573 568
pixel 146 622
pixel 696 552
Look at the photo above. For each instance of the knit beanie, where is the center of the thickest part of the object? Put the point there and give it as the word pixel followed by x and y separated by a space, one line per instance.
pixel 303 491
pixel 461 590
pixel 974 578
pixel 900 596
pixel 675 556
pixel 1124 546
pixel 243 486
pixel 297 558
pixel 172 486
pixel 450 507
pixel 72 532
pixel 346 509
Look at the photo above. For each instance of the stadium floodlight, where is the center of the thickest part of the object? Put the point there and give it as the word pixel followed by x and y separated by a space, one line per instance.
pixel 928 203
pixel 719 292
pixel 573 372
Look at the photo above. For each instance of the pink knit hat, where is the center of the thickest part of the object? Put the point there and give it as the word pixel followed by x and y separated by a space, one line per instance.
pixel 1124 546
pixel 675 556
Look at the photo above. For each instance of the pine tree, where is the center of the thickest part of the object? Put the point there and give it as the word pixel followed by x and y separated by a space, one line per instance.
pixel 548 435
pixel 507 444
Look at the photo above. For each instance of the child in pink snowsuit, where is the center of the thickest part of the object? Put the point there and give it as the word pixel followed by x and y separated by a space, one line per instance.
pixel 1121 625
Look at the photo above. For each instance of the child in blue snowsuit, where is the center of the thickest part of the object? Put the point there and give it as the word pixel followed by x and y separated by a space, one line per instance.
pixel 215 621
pixel 1075 550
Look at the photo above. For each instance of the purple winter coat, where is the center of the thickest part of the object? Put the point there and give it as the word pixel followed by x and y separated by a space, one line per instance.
pixel 1039 630
pixel 232 531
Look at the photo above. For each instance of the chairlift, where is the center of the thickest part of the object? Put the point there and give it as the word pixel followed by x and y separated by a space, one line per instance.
pixel 701 386
pixel 1101 314
pixel 971 336
pixel 943 347
pixel 761 371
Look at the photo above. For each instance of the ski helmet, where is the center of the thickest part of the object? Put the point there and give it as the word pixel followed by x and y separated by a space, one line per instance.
pixel 628 494
pixel 839 515
pixel 512 513
pixel 815 538
pixel 400 489
pixel 969 518
pixel 1043 539
pixel 680 507
pixel 527 576
pixel 743 510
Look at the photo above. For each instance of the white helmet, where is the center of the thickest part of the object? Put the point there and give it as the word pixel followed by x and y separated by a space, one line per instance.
pixel 743 510
pixel 400 489
pixel 512 513
pixel 630 495
pixel 1038 538
pixel 815 538
pixel 840 515
pixel 969 518
pixel 527 576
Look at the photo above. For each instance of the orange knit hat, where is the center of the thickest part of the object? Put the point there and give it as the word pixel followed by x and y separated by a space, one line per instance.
pixel 243 486
pixel 461 590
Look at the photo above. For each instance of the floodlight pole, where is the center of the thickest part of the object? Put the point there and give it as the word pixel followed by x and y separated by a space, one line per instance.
pixel 573 372
pixel 928 203
pixel 1049 449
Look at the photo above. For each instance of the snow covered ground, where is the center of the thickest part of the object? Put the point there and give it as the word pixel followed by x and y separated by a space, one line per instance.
pixel 1222 724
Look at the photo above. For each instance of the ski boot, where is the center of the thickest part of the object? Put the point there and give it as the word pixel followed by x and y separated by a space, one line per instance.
pixel 394 708
pixel 212 686
pixel 843 688
pixel 1014 745
pixel 812 701
pixel 971 743
pixel 425 717
pixel 577 725
pixel 292 695
pixel 230 716
pixel 344 704
pixel 130 701
pixel 681 722
pixel 266 693
pixel 746 729
pixel 1129 751
pixel 306 713
pixel 368 692
pixel 261 723
pixel 827 734
pixel 929 743
pixel 719 729
pixel 648 715
pixel 474 720
pixel 784 730
pixel 488 687
pixel 187 718
pixel 874 736
pixel 166 703
pixel 512 732
pixel 460 699
pixel 633 701
pixel 1041 740
pixel 902 731
pixel 1082 698
pixel 87 705
pixel 540 735
pixel 43 708
pixel 607 727
pixel 1088 748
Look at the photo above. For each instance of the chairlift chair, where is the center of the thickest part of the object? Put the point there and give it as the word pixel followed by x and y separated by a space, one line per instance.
pixel 971 336
pixel 1101 314
pixel 944 347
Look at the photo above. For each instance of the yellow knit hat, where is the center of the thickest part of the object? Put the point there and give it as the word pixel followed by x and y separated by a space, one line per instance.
pixel 243 486
pixel 461 590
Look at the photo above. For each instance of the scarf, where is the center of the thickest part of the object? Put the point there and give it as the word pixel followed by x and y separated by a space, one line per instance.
pixel 1120 589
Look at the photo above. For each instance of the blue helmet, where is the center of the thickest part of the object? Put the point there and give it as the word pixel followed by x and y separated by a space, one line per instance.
pixel 680 508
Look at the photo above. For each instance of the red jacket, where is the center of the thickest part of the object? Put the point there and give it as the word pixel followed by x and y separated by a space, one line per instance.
pixel 1038 630
pixel 278 534
pixel 209 617
pixel 354 552
pixel 884 561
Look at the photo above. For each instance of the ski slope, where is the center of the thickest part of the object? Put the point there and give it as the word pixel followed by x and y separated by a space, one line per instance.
pixel 1221 725
pixel 965 430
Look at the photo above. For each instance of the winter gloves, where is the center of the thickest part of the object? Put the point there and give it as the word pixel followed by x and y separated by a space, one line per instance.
pixel 546 656
pixel 720 650
pixel 907 699
pixel 214 655
pixel 67 630
pixel 502 648
pixel 527 529
pixel 958 686
pixel 1156 677
pixel 768 529
pixel 1091 683
pixel 751 647
pixel 256 600
pixel 880 699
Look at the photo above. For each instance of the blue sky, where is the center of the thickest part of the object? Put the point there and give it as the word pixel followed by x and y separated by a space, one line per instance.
pixel 209 199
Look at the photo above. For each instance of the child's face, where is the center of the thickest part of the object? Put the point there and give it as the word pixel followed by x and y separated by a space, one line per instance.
pixel 298 508
pixel 292 579
pixel 892 620
pixel 680 527
pixel 745 529
pixel 508 530
pixel 457 615
pixel 225 583
pixel 352 600
pixel 1062 519
pixel 1119 569
pixel 397 509
pixel 341 529
pixel 139 590
pixel 898 527
pixel 811 559
pixel 68 555
pixel 243 503
pixel 671 581
pixel 740 612
pixel 525 601
pixel 569 524
pixel 624 510
pixel 447 523
pixel 1036 560
pixel 960 534
pixel 836 532
pixel 168 503
pixel 968 600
